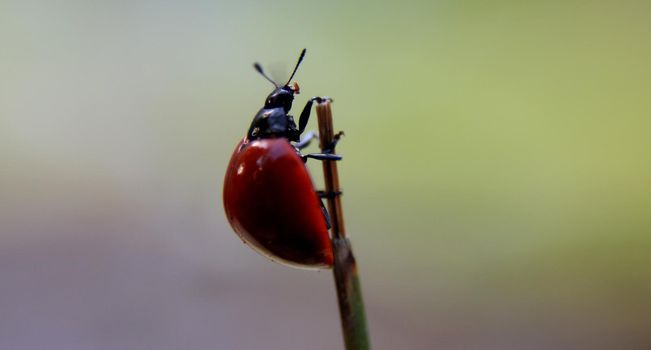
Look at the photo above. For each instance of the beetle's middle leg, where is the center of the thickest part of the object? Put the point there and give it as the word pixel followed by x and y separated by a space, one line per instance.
pixel 305 114
pixel 321 156
pixel 306 140
pixel 328 152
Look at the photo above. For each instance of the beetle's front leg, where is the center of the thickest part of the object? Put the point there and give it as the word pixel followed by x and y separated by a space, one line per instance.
pixel 305 114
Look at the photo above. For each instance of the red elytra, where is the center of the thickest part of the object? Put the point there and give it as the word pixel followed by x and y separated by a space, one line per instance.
pixel 270 202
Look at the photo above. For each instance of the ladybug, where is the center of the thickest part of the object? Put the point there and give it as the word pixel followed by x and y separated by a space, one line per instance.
pixel 269 197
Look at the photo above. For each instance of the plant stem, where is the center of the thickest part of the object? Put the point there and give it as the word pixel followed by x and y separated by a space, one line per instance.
pixel 349 292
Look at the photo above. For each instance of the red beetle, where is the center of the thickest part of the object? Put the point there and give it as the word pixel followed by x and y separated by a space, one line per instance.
pixel 269 197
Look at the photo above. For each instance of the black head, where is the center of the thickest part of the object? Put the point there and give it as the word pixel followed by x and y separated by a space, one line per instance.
pixel 282 96
pixel 272 120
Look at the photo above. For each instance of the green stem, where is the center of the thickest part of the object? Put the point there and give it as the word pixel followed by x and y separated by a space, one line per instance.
pixel 349 294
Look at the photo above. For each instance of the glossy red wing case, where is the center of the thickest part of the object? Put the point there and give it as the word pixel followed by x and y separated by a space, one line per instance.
pixel 271 204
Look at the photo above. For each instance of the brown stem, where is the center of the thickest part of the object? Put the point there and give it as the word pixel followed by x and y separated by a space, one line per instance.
pixel 349 292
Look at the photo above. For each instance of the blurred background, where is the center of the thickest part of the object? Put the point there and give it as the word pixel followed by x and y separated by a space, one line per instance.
pixel 496 172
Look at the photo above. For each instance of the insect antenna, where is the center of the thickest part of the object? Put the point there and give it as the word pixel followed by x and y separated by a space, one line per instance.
pixel 258 67
pixel 300 59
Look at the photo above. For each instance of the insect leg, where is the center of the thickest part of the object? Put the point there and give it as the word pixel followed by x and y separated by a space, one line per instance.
pixel 331 194
pixel 335 140
pixel 326 215
pixel 324 194
pixel 305 114
pixel 321 156
pixel 306 140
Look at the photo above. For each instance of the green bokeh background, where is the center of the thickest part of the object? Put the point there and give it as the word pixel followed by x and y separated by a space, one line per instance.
pixel 496 172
